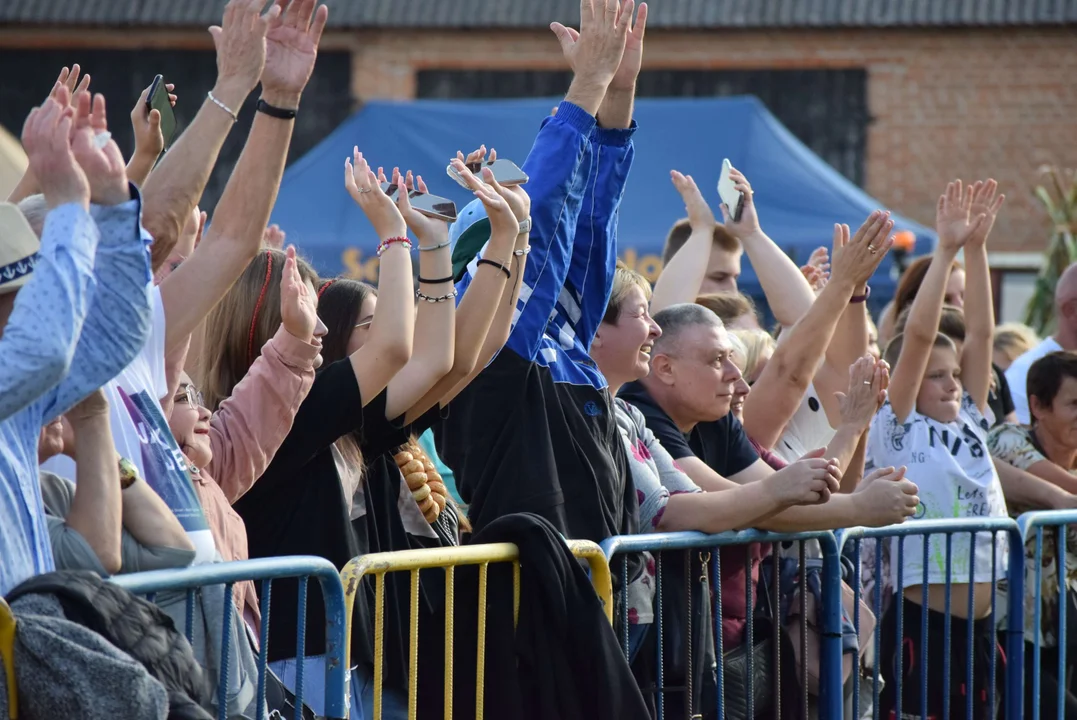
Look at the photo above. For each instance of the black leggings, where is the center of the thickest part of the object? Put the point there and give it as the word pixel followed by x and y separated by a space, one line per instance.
pixel 1048 686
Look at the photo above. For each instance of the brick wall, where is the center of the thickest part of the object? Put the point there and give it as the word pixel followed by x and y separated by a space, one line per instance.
pixel 968 103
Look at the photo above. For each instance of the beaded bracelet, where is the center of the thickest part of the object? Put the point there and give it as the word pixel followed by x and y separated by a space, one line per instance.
pixel 494 263
pixel 435 281
pixel 447 243
pixel 389 241
pixel 435 298
pixel 522 251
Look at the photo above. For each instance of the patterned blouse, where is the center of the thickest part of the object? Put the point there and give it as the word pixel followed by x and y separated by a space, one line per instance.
pixel 1017 445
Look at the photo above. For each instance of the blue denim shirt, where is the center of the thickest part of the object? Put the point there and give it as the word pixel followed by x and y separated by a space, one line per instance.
pixel 86 311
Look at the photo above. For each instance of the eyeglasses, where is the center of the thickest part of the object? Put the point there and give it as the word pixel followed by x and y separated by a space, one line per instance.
pixel 192 397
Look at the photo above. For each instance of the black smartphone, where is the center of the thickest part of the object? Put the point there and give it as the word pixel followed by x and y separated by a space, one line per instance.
pixel 430 205
pixel 506 172
pixel 157 99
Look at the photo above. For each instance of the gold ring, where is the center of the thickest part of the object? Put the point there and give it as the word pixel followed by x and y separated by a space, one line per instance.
pixel 873 250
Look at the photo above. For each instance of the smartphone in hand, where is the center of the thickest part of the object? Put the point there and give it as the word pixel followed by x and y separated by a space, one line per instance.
pixel 506 172
pixel 733 198
pixel 430 205
pixel 157 99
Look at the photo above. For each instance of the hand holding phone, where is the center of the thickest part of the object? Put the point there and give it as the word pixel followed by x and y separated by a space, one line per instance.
pixel 157 99
pixel 727 191
pixel 432 206
pixel 506 172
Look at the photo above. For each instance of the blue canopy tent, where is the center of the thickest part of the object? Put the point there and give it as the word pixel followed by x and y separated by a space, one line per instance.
pixel 799 196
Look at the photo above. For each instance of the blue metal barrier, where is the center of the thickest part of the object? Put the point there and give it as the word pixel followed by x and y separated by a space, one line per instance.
pixel 1031 526
pixel 266 570
pixel 830 643
pixel 929 534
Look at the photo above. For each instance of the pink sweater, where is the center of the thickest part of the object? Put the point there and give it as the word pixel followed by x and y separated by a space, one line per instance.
pixel 245 433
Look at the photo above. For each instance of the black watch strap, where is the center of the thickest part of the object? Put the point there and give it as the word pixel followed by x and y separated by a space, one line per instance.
pixel 271 111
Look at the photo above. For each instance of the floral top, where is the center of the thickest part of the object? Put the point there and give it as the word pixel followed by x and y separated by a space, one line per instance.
pixel 1017 445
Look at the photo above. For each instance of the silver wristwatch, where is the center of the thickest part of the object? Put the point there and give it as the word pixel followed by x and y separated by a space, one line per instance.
pixel 525 226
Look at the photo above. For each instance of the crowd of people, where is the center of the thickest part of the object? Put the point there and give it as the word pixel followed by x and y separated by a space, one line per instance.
pixel 178 390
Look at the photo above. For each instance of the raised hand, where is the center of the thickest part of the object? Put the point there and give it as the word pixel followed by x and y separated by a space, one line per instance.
pixel 146 123
pixel 632 60
pixel 429 231
pixel 700 214
pixel 291 49
pixel 379 208
pixel 46 137
pixel 749 218
pixel 298 306
pixel 886 497
pixel 809 481
pixel 985 202
pixel 98 153
pixel 517 198
pixel 505 207
pixel 240 41
pixel 855 260
pixel 868 381
pixel 273 237
pixel 70 80
pixel 953 220
pixel 595 52
pixel 817 271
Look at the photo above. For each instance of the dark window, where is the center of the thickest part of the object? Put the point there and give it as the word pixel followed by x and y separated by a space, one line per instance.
pixel 121 75
pixel 826 109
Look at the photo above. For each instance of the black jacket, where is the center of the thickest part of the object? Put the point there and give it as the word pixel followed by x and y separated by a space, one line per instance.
pixel 563 661
pixel 135 626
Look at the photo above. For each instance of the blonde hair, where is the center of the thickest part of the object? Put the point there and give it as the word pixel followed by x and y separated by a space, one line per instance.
pixel 1014 340
pixel 756 344
pixel 624 279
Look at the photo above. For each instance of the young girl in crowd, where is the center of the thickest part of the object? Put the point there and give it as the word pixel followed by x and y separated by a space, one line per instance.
pixel 934 423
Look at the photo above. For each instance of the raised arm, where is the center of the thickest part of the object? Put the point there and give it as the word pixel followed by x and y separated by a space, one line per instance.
pixel 291 32
pixel 389 345
pixel 175 186
pixel 251 424
pixel 780 388
pixel 149 142
pixel 594 247
pixel 979 306
pixel 955 228
pixel 44 320
pixel 682 277
pixel 435 321
pixel 788 292
pixel 506 208
pixel 866 393
pixel 118 322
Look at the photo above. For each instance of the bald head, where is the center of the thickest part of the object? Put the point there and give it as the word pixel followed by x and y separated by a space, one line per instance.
pixel 1066 289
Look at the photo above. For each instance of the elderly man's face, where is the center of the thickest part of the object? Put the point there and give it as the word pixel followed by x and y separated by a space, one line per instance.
pixel 703 372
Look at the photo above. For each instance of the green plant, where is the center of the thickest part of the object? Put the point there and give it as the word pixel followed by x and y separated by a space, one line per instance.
pixel 1060 202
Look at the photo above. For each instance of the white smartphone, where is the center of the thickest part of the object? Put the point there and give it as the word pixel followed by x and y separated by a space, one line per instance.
pixel 506 172
pixel 733 198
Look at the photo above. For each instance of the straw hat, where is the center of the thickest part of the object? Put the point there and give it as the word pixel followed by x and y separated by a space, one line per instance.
pixel 18 249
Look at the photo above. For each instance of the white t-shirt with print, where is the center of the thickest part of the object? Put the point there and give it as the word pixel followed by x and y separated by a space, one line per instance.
pixel 951 465
pixel 145 376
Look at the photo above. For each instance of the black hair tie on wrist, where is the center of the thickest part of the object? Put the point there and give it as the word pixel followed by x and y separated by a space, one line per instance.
pixel 497 265
pixel 436 280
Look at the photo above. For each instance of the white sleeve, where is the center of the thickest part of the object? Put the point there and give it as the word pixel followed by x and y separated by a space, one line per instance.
pixel 154 352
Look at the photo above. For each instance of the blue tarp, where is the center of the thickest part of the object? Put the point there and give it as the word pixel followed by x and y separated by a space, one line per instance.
pixel 799 196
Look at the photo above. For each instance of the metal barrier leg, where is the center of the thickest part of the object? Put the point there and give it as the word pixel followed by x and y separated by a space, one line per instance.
pixel 831 696
pixel 1015 635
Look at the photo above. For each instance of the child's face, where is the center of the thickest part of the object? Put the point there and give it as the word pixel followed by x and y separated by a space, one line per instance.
pixel 940 391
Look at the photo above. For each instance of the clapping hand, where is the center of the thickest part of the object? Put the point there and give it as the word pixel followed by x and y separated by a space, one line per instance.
pixel 70 80
pixel 595 52
pixel 379 208
pixel 291 49
pixel 868 381
pixel 986 203
pixel 855 260
pixel 240 41
pixel 817 271
pixel 809 481
pixel 700 214
pixel 46 137
pixel 953 219
pixel 98 153
pixel 886 497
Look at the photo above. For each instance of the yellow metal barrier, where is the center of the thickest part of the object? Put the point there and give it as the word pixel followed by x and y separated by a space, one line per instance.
pixel 7 652
pixel 377 564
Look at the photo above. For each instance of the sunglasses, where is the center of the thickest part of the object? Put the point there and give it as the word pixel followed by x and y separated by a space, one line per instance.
pixel 192 397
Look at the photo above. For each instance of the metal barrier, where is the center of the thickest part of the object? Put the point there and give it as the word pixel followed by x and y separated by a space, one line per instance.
pixel 266 570
pixel 936 538
pixel 1031 528
pixel 378 564
pixel 830 641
